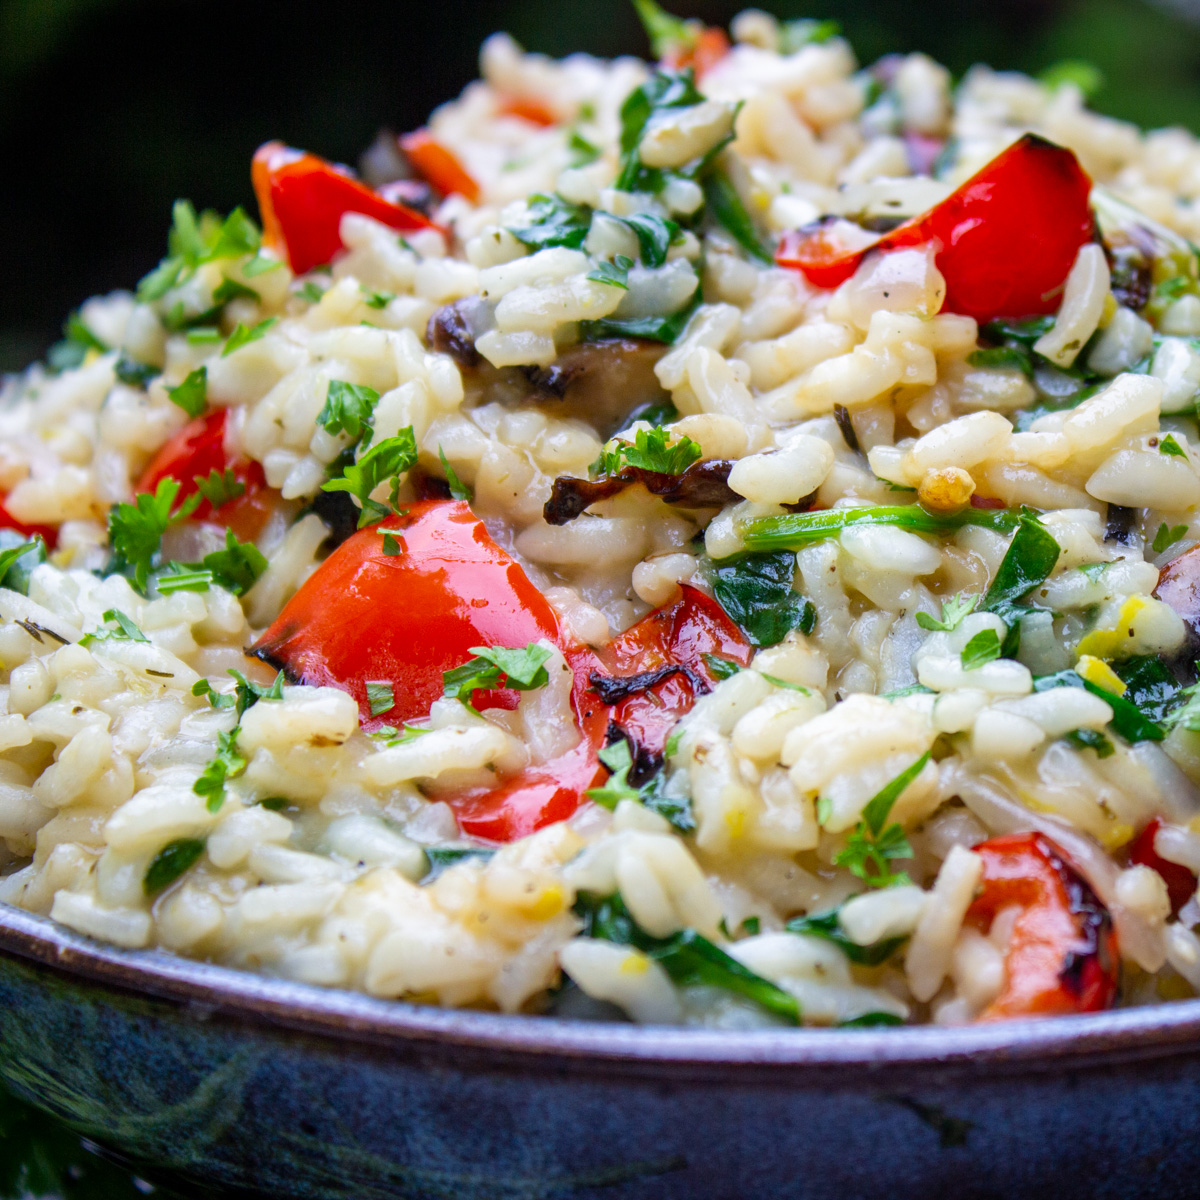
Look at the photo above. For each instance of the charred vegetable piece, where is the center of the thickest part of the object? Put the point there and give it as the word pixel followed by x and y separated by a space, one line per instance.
pixel 438 165
pixel 302 199
pixel 1181 883
pixel 1005 240
pixel 702 485
pixel 192 456
pixel 1179 586
pixel 1062 955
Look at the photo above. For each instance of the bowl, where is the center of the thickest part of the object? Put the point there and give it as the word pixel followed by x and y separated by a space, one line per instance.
pixel 263 1086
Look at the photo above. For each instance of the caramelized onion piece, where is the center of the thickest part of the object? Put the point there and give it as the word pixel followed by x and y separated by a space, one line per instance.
pixel 702 485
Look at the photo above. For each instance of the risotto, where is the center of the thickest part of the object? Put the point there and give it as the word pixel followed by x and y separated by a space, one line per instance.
pixel 711 542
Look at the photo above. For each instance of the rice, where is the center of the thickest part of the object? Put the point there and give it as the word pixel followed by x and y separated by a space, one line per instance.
pixel 855 625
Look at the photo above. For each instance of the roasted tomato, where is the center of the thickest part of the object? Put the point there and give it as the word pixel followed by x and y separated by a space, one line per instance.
pixel 48 533
pixel 438 165
pixel 1062 955
pixel 1006 239
pixel 196 451
pixel 302 199
pixel 1181 883
pixel 657 667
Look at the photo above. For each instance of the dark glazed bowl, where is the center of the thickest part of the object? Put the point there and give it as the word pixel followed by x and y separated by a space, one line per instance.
pixel 258 1085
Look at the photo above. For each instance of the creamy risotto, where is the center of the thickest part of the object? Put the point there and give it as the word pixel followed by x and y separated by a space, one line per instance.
pixel 705 542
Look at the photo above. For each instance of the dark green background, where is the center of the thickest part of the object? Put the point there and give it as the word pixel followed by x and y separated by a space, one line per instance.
pixel 110 109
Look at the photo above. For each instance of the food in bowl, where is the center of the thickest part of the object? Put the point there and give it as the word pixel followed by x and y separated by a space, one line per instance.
pixel 705 542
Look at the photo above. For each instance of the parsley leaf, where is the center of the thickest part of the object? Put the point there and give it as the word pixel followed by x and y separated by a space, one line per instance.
pixel 349 408
pixel 243 336
pixel 226 764
pixel 825 925
pixel 720 668
pixel 194 240
pixel 230 289
pixel 651 450
pixel 664 329
pixel 1165 538
pixel 383 463
pixel 125 631
pixel 1086 76
pixel 380 696
pixel 238 566
pixel 497 666
pixel 795 530
pixel 170 863
pixel 665 31
pixel 795 35
pixel 246 693
pixel 617 787
pixel 192 394
pixel 654 235
pixel 1128 720
pixel 311 292
pixel 1171 447
pixel 1030 558
pixel 874 843
pixel 726 206
pixel 983 648
pixel 688 958
pixel 219 487
pixel 1013 357
pixel 441 857
pixel 135 374
pixel 1090 739
pixel 1187 715
pixel 135 530
pixel 664 90
pixel 953 611
pixel 615 273
pixel 582 151
pixel 18 558
pixel 756 591
pixel 552 221
pixel 180 577
pixel 377 299
pixel 458 489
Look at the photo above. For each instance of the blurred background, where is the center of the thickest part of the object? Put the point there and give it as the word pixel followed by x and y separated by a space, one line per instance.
pixel 111 109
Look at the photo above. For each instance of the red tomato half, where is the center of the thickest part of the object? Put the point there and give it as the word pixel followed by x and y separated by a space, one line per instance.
pixel 1006 239
pixel 48 533
pixel 198 449
pixel 1062 957
pixel 302 199
pixel 1181 883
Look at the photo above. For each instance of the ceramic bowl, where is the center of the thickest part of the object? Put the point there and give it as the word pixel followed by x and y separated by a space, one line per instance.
pixel 256 1085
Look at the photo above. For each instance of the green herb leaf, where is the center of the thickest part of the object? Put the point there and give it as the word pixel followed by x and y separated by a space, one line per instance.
pixel 441 857
pixel 1165 538
pixel 617 787
pixel 349 408
pixel 18 558
pixel 688 958
pixel 311 292
pixel 1086 76
pixel 220 487
pixel 582 151
pixel 261 265
pixel 180 577
pixel 246 693
pixel 1011 358
pixel 458 489
pixel 654 235
pixel 135 530
pixel 756 591
pixel 1090 739
pixel 1171 447
pixel 203 335
pixel 125 631
pixel 795 35
pixel 871 1020
pixel 615 273
pixel 825 925
pixel 135 374
pixel 170 863
pixel 495 667
pixel 1128 720
pixel 230 289
pixel 385 462
pixel 192 394
pixel 552 221
pixel 380 696
pixel 874 843
pixel 1149 686
pixel 726 205
pixel 242 336
pixel 953 611
pixel 228 763
pixel 720 668
pixel 664 90
pixel 377 299
pixel 238 566
pixel 1031 556
pixel 666 32
pixel 664 329
pixel 795 530
pixel 650 450
pixel 983 648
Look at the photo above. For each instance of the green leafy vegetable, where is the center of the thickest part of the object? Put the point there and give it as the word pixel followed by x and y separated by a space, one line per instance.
pixel 125 631
pixel 615 273
pixel 1012 357
pixel 654 235
pixel 582 151
pixel 650 450
pixel 135 374
pixel 135 530
pixel 983 648
pixel 349 408
pixel 1127 720
pixel 227 763
pixel 726 206
pixel 1171 447
pixel 664 329
pixel 170 863
pixel 385 462
pixel 871 1020
pixel 954 611
pixel 874 843
pixel 1165 538
pixel 497 666
pixel 179 577
pixel 720 668
pixel 238 566
pixel 1091 739
pixel 203 335
pixel 18 558
pixel 220 486
pixel 194 240
pixel 310 292
pixel 795 35
pixel 1086 76
pixel 688 958
pixel 441 857
pixel 377 299
pixel 757 593
pixel 243 336
pixel 666 32
pixel 246 693
pixel 617 787
pixel 261 265
pixel 458 489
pixel 1030 558
pixel 1149 686
pixel 230 289
pixel 664 90
pixel 552 221
pixel 825 925
pixel 794 530
pixel 192 394
pixel 380 696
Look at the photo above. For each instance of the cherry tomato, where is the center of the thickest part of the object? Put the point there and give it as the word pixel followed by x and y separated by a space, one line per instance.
pixel 302 199
pixel 679 634
pixel 1181 883
pixel 533 111
pixel 48 533
pixel 438 165
pixel 199 449
pixel 1006 239
pixel 1062 957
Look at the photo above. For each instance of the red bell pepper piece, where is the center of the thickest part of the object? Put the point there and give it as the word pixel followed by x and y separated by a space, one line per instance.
pixel 533 111
pixel 302 199
pixel 679 634
pixel 711 45
pixel 438 165
pixel 1181 883
pixel 48 533
pixel 197 450
pixel 1062 957
pixel 1006 239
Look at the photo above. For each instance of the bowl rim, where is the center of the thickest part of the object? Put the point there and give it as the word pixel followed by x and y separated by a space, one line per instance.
pixel 345 1016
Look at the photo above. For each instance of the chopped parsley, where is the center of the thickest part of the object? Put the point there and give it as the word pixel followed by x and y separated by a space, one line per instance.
pixel 756 591
pixel 615 273
pixel 795 35
pixel 1128 719
pixel 664 90
pixel 651 794
pixel 1090 739
pixel 1031 556
pixel 441 857
pixel 1086 76
pixel 825 925
pixel 655 235
pixel 246 693
pixel 226 764
pixel 385 462
pixel 458 489
pixel 552 221
pixel 179 577
pixel 135 530
pixel 954 610
pixel 238 566
pixel 192 394
pixel 380 696
pixel 1171 447
pixel 1165 538
pixel 665 31
pixel 125 630
pixel 726 206
pixel 18 558
pixel 135 374
pixel 243 336
pixel 194 240
pixel 982 649
pixel 219 487
pixel 495 667
pixel 230 289
pixel 170 863
pixel 650 450
pixel 349 408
